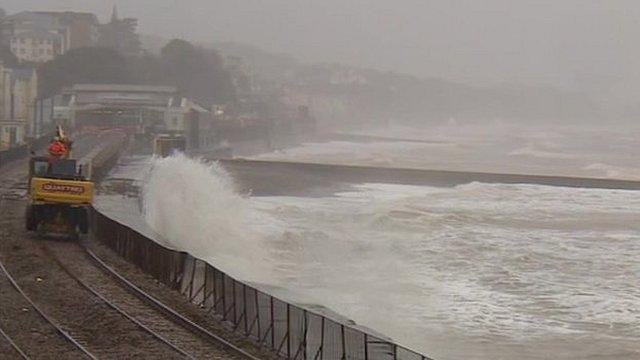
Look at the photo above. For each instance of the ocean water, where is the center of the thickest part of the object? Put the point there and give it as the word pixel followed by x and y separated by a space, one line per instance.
pixel 478 271
pixel 602 152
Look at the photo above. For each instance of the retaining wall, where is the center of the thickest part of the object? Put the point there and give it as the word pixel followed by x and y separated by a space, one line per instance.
pixel 407 176
pixel 100 160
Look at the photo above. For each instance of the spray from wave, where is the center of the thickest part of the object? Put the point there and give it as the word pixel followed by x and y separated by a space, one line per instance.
pixel 194 205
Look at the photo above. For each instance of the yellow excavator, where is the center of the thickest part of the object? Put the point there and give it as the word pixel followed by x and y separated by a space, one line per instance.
pixel 59 195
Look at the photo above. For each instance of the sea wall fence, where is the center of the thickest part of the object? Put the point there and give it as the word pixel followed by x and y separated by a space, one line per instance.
pixel 293 332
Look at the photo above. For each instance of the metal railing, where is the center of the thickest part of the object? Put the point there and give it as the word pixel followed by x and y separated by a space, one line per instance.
pixel 289 330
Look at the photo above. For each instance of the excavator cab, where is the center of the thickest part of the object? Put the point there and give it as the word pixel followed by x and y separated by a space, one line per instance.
pixel 41 166
pixel 38 166
pixel 59 197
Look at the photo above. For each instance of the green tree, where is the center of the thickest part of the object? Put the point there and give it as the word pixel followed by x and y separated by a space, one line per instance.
pixel 83 65
pixel 198 72
pixel 120 34
pixel 147 69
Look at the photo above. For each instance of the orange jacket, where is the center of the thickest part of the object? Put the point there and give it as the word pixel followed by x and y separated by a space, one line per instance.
pixel 57 149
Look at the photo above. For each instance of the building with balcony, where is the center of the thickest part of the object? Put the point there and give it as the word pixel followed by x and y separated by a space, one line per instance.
pixel 36 46
pixel 41 36
pixel 82 28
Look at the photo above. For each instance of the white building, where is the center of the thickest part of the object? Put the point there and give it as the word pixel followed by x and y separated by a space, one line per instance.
pixel 5 92
pixel 39 37
pixel 18 91
pixel 36 46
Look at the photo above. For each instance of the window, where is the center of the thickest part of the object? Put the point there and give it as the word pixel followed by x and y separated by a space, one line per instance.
pixel 48 51
pixel 21 41
pixel 40 167
pixel 23 51
pixel 41 52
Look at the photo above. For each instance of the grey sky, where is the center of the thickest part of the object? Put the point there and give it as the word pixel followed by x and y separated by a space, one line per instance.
pixel 571 43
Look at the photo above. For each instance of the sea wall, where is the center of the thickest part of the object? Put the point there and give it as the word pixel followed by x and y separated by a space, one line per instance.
pixel 324 175
pixel 97 163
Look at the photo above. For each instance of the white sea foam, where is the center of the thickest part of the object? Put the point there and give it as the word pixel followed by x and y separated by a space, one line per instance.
pixel 194 206
pixel 370 153
pixel 509 261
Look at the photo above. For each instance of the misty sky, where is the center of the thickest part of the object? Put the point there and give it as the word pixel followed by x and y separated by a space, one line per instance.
pixel 579 44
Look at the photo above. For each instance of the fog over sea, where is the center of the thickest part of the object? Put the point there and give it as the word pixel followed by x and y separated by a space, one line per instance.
pixel 582 151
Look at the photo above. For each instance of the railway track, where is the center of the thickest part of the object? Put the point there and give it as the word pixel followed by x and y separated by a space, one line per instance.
pixel 89 309
pixel 13 345
pixel 97 326
pixel 68 337
pixel 165 324
pixel 171 313
pixel 184 337
pixel 93 324
pixel 111 304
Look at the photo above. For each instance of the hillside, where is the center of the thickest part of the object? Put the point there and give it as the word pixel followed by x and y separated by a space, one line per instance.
pixel 339 93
